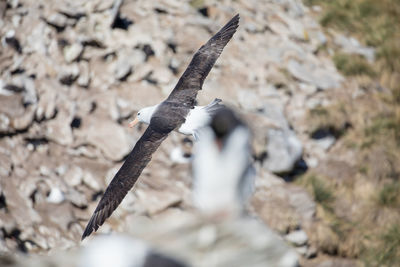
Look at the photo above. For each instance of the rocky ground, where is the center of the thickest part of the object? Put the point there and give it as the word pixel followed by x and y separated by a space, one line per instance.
pixel 74 73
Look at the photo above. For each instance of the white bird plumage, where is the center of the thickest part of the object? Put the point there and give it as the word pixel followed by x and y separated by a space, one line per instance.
pixel 223 181
pixel 197 118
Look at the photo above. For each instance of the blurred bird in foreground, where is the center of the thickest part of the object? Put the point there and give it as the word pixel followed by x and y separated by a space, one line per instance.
pixel 222 166
pixel 123 251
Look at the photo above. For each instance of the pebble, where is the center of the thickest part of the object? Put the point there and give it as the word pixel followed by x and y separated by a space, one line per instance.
pixel 74 176
pixel 178 156
pixel 91 181
pixel 57 20
pixel 297 238
pixel 68 74
pixel 56 196
pixel 123 69
pixel 73 52
pixel 84 74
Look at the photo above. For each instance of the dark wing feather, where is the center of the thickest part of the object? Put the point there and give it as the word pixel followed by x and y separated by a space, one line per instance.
pixel 125 178
pixel 192 79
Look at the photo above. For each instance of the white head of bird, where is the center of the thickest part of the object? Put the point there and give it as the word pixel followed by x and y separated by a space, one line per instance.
pixel 143 115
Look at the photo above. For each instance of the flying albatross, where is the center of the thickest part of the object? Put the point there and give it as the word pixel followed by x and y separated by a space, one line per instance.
pixel 177 112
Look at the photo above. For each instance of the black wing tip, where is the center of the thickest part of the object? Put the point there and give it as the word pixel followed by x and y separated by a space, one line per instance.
pixel 91 226
pixel 234 20
pixel 230 28
pixel 98 218
pixel 88 231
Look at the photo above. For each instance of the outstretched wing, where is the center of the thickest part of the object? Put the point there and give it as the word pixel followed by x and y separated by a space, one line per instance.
pixel 125 178
pixel 192 79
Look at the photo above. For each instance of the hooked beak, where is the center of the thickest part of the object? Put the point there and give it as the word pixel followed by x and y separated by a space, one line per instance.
pixel 133 123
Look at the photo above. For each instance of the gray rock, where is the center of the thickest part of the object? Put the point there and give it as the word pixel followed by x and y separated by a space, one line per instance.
pixel 77 198
pixel 73 10
pixel 302 202
pixel 326 142
pixel 352 46
pixel 59 130
pixel 124 108
pixel 242 242
pixel 250 100
pixel 114 12
pixel 295 26
pixel 11 106
pixel 57 21
pixel 311 252
pixel 44 171
pixel 137 57
pixel 73 52
pixel 338 262
pixel 302 250
pixel 177 155
pixel 61 170
pixel 24 121
pixel 47 103
pixel 100 6
pixel 19 154
pixel 74 176
pixel 284 149
pixel 312 74
pixel 84 74
pixel 29 94
pixel 56 196
pixel 5 165
pixel 68 74
pixel 297 238
pixel 162 75
pixel 174 64
pixel 155 201
pixel 4 123
pixel 123 69
pixel 295 8
pixel 21 84
pixel 19 206
pixel 10 40
pixel 91 181
pixel 85 151
pixel 109 137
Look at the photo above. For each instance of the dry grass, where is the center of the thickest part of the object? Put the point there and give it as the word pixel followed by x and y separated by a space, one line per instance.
pixel 334 119
pixel 388 195
pixel 385 252
pixel 320 189
pixel 353 65
pixel 376 24
pixel 374 136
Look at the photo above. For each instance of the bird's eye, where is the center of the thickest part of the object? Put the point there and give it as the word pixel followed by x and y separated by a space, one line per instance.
pixel 138 114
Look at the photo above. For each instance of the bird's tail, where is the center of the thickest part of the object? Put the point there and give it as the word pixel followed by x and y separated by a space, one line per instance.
pixel 214 106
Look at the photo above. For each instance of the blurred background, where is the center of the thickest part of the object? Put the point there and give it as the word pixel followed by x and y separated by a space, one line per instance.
pixel 317 81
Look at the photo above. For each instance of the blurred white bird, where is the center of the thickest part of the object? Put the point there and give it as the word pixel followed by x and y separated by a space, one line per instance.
pixel 222 166
pixel 123 251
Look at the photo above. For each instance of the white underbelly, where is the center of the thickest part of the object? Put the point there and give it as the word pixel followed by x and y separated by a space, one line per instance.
pixel 196 119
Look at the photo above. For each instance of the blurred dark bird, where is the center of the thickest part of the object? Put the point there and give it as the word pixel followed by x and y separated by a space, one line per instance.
pixel 222 167
pixel 177 112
